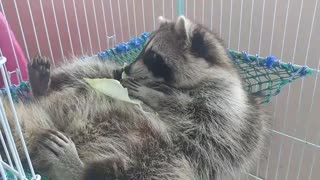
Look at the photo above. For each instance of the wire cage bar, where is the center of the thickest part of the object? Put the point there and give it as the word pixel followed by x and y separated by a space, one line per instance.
pixel 11 166
pixel 286 29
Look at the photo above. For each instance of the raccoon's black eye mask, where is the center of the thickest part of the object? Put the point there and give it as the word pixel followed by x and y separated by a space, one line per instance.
pixel 156 64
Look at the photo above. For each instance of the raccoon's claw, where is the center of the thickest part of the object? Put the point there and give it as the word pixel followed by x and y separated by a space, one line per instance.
pixel 40 65
pixel 145 94
pixel 131 84
pixel 59 148
pixel 57 143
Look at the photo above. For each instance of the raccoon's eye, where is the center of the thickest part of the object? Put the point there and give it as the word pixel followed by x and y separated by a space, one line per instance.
pixel 152 58
pixel 156 64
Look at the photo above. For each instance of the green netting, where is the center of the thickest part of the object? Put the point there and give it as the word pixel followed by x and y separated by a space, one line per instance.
pixel 264 77
pixel 10 176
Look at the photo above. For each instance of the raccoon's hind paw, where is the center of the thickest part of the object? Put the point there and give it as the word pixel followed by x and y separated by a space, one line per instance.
pixel 59 145
pixel 60 154
pixel 39 75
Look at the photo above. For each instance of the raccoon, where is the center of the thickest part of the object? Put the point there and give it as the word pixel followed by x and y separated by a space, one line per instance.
pixel 186 76
pixel 201 124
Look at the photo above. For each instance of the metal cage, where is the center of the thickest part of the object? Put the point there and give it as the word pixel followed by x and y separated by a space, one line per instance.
pixel 288 29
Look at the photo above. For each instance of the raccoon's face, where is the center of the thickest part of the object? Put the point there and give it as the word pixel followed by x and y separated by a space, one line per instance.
pixel 180 54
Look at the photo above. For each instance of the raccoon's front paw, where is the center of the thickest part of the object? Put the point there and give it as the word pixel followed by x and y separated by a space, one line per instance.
pixel 132 85
pixel 60 155
pixel 39 75
pixel 145 94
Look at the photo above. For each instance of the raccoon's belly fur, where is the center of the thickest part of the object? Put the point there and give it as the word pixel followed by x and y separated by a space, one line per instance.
pixel 102 128
pixel 197 144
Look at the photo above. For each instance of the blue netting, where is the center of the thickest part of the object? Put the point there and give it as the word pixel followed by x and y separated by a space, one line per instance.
pixel 264 77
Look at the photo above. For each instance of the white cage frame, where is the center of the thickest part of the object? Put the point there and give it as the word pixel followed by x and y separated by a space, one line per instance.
pixel 224 16
pixel 13 164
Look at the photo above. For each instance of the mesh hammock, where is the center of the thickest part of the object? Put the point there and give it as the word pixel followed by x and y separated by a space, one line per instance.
pixel 264 77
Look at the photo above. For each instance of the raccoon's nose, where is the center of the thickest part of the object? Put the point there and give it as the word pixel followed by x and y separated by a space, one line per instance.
pixel 117 74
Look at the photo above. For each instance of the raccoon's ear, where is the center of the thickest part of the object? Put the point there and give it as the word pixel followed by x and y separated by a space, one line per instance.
pixel 199 46
pixel 162 21
pixel 183 27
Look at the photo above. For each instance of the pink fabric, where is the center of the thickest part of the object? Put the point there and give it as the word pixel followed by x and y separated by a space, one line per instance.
pixel 8 52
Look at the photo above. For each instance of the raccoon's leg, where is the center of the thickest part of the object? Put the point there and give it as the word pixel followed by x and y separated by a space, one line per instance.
pixel 110 168
pixel 72 74
pixel 39 75
pixel 57 157
pixel 143 161
pixel 116 168
pixel 43 80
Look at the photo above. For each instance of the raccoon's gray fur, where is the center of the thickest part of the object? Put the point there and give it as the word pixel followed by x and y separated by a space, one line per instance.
pixel 202 123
